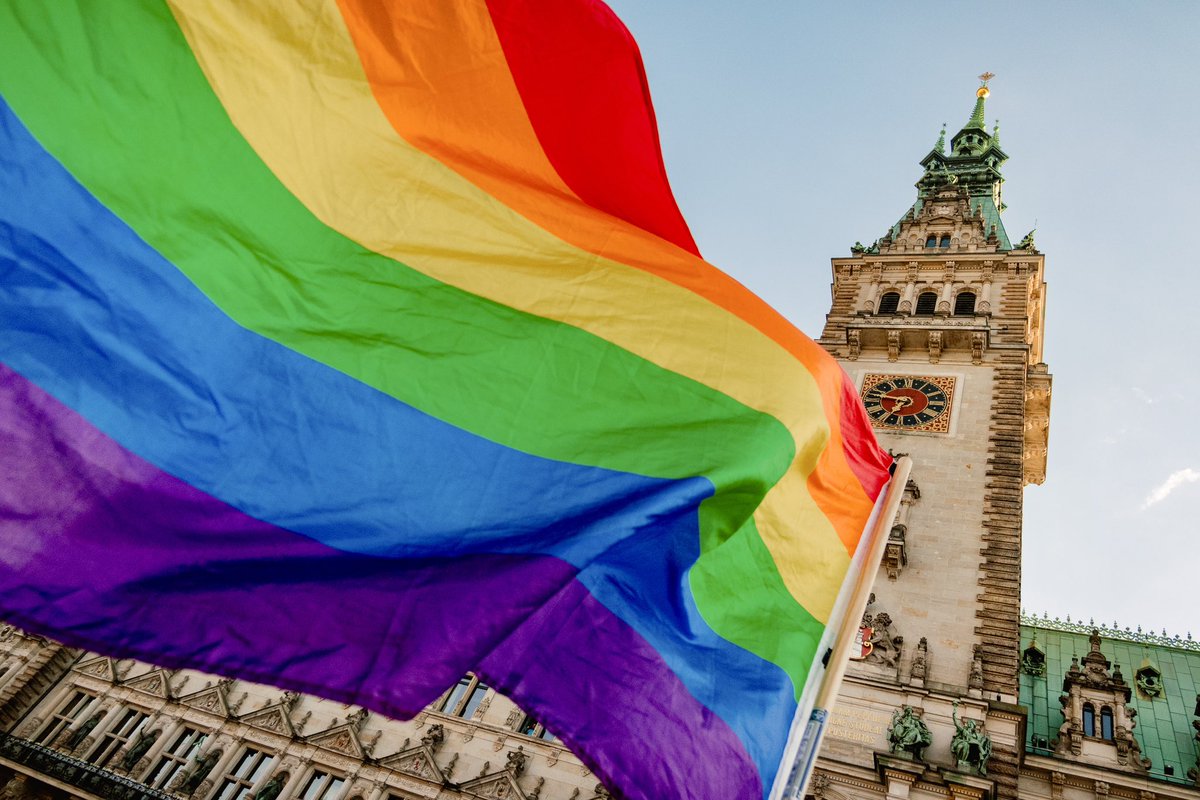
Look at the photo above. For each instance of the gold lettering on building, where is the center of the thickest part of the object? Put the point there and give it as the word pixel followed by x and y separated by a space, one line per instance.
pixel 861 725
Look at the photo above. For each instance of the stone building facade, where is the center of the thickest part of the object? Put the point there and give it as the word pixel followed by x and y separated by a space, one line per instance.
pixel 77 724
pixel 952 694
pixel 940 322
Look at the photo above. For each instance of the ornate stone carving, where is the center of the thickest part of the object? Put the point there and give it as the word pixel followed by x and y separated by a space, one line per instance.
pixel 886 646
pixel 935 347
pixel 971 746
pixel 908 733
pixel 975 678
pixel 893 345
pixel 919 663
pixel 515 761
pixel 854 344
pixel 977 342
pixel 434 737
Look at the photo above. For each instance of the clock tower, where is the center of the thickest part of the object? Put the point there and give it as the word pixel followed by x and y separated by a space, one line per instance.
pixel 939 322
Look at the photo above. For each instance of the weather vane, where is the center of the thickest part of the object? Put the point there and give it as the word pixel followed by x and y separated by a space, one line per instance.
pixel 987 76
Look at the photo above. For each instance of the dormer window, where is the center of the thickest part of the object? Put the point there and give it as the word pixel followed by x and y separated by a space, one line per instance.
pixel 889 303
pixel 964 304
pixel 1106 723
pixel 1148 681
pixel 1089 719
pixel 1033 661
pixel 926 303
pixel 945 242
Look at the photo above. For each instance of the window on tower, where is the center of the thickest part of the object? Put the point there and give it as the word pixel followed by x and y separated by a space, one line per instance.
pixel 926 303
pixel 964 304
pixel 889 303
pixel 931 241
pixel 945 242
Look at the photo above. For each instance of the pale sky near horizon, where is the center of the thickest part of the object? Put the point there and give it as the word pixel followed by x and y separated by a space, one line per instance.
pixel 791 130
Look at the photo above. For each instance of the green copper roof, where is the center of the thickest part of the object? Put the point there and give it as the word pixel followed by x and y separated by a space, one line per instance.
pixel 1164 724
pixel 976 120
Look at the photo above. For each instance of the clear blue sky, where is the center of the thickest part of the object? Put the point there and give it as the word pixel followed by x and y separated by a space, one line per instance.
pixel 792 130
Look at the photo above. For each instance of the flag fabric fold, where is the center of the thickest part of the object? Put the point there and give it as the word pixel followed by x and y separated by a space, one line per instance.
pixel 349 346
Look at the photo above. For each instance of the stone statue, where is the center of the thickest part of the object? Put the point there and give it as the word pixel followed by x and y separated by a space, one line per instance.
pixel 83 730
pixel 971 747
pixel 975 679
pixel 200 770
pixel 515 763
pixel 919 664
pixel 272 788
pixel 144 742
pixel 434 736
pixel 885 644
pixel 1026 242
pixel 909 733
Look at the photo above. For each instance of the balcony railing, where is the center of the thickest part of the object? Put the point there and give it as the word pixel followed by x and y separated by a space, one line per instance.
pixel 80 774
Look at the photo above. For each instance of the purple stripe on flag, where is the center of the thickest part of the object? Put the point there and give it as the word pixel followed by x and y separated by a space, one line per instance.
pixel 137 563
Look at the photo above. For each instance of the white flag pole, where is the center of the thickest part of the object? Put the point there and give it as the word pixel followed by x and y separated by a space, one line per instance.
pixel 809 723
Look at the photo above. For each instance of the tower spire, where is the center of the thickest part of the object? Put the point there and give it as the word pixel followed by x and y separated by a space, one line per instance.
pixel 981 94
pixel 940 147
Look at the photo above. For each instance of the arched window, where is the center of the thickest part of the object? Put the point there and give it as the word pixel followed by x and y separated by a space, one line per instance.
pixel 945 241
pixel 1106 723
pixel 1089 720
pixel 889 303
pixel 931 241
pixel 926 303
pixel 964 304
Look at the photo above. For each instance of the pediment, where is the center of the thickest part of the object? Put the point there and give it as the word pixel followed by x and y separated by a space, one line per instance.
pixel 273 718
pixel 210 699
pixel 501 785
pixel 101 667
pixel 155 682
pixel 417 761
pixel 341 739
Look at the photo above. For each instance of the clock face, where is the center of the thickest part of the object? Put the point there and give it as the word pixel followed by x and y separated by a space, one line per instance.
pixel 905 402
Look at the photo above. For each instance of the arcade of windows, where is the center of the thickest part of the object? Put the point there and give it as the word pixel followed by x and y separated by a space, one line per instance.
pixel 964 304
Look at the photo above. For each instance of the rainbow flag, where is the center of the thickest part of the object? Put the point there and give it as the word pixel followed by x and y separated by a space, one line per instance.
pixel 347 346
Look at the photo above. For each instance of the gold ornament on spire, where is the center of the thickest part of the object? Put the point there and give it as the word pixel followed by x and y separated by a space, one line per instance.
pixel 983 90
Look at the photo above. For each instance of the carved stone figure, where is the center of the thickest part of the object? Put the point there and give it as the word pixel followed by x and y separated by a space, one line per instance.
pixel 272 788
pixel 885 644
pixel 200 770
pixel 919 665
pixel 515 762
pixel 971 746
pixel 434 736
pixel 358 718
pixel 144 742
pixel 975 679
pixel 908 733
